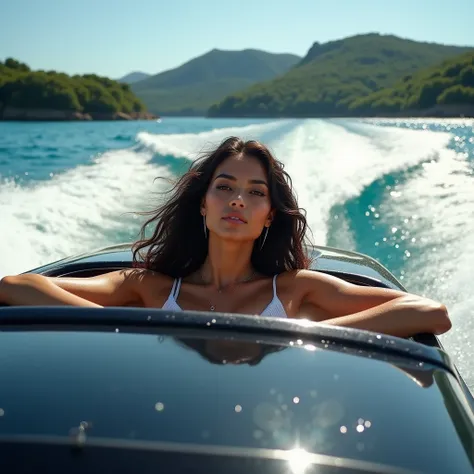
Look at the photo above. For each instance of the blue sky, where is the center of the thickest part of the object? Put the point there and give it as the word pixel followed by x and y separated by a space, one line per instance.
pixel 114 37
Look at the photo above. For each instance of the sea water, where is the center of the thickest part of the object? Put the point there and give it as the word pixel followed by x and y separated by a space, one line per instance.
pixel 401 191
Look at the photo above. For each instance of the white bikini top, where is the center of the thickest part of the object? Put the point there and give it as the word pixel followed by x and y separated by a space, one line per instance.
pixel 274 309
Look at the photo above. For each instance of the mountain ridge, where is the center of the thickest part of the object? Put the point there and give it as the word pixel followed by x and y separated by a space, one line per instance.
pixel 195 85
pixel 134 76
pixel 332 75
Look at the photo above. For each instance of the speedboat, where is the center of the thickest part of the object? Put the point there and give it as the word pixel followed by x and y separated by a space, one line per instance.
pixel 139 390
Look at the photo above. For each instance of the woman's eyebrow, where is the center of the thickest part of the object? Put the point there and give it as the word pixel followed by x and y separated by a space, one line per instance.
pixel 227 176
pixel 233 178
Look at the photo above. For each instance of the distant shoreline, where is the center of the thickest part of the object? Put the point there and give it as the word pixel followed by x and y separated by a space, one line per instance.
pixel 36 115
pixel 13 114
pixel 446 111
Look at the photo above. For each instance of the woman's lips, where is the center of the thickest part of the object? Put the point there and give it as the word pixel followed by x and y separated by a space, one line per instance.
pixel 234 220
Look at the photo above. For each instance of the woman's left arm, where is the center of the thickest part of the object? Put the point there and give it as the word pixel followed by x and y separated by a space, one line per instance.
pixel 375 309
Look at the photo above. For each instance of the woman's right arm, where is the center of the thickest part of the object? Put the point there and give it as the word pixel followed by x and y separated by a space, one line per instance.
pixel 116 288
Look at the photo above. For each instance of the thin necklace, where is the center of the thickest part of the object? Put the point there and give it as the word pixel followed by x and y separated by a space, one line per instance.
pixel 212 305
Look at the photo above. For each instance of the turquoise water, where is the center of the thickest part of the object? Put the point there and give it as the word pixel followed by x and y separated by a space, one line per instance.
pixel 401 191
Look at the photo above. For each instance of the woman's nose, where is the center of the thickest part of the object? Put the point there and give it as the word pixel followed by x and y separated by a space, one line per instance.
pixel 237 201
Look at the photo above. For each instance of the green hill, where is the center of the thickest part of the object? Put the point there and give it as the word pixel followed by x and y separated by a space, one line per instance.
pixel 135 76
pixel 193 87
pixel 95 97
pixel 334 75
pixel 446 85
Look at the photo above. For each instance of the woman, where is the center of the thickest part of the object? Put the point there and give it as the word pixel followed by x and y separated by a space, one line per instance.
pixel 231 239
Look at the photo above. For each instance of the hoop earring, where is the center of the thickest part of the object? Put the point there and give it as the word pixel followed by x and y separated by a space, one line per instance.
pixel 205 226
pixel 264 238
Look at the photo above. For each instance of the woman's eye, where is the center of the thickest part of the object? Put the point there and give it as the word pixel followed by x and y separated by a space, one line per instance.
pixel 224 187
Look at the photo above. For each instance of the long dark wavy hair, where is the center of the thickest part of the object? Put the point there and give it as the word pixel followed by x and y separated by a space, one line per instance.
pixel 178 246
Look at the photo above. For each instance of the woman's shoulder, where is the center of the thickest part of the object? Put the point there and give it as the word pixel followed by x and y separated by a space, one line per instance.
pixel 298 276
pixel 303 279
pixel 306 275
pixel 145 282
pixel 150 277
pixel 138 274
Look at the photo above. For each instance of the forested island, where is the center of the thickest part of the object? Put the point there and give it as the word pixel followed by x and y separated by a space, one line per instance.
pixel 50 95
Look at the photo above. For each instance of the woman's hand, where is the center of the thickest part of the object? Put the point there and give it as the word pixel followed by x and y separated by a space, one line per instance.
pixel 375 309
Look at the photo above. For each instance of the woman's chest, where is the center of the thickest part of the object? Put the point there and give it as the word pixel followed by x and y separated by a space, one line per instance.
pixel 281 300
pixel 254 298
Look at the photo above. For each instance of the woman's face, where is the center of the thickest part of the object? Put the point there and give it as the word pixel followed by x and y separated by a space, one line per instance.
pixel 237 203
